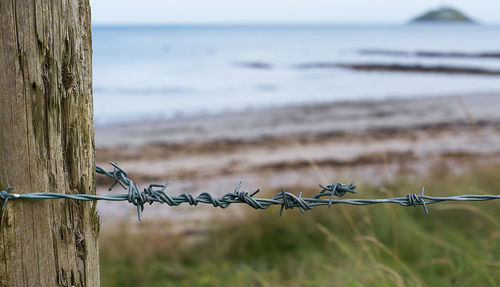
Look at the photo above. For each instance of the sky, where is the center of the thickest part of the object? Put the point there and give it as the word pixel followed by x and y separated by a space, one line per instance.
pixel 280 11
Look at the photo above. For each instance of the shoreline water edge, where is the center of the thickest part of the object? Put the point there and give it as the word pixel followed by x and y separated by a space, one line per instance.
pixel 364 141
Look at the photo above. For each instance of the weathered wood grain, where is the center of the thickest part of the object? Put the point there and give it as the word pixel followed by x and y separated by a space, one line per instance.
pixel 47 143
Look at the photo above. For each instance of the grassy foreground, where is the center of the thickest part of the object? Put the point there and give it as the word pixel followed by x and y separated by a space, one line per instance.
pixel 457 244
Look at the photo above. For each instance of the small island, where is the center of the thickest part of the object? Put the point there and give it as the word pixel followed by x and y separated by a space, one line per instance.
pixel 443 15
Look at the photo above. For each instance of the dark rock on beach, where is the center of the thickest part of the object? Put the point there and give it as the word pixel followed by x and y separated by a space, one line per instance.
pixel 400 68
pixel 255 65
pixel 420 69
pixel 430 54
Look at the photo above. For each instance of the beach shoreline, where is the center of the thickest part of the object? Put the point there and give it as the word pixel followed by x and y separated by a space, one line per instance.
pixel 340 117
pixel 368 141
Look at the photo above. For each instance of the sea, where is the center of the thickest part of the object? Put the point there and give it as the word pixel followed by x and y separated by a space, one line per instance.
pixel 162 72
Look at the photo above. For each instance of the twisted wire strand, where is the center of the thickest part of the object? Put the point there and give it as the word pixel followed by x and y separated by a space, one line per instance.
pixel 156 193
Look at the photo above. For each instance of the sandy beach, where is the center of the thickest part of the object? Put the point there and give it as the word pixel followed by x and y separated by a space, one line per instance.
pixel 269 106
pixel 367 141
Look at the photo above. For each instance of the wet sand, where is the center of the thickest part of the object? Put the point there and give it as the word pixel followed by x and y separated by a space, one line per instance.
pixel 369 141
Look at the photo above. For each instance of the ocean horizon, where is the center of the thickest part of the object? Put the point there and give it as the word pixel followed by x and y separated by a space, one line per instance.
pixel 164 71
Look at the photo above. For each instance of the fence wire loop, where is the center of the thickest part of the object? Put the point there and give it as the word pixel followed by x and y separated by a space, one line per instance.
pixel 5 195
pixel 156 193
pixel 414 200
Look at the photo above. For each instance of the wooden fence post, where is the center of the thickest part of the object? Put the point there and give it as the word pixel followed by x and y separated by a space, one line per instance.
pixel 47 143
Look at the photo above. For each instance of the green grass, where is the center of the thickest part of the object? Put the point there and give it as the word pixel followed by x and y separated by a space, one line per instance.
pixel 457 244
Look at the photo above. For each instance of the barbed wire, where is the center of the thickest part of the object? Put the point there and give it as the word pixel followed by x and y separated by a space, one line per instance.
pixel 156 193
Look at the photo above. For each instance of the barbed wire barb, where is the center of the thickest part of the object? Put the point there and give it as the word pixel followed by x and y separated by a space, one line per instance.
pixel 155 193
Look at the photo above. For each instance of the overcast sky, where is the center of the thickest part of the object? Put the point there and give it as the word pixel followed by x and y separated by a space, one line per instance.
pixel 280 11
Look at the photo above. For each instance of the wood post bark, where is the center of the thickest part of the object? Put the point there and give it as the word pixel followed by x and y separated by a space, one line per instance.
pixel 47 143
